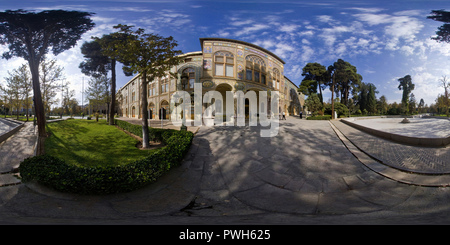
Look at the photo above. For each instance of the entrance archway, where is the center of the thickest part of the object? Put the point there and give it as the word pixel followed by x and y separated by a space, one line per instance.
pixel 247 104
pixel 151 110
pixel 222 109
pixel 164 109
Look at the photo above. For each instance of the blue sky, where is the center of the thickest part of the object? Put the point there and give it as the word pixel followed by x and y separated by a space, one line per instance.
pixel 385 40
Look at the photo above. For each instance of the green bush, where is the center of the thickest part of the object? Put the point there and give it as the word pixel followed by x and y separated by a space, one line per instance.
pixel 155 134
pixel 324 117
pixel 56 173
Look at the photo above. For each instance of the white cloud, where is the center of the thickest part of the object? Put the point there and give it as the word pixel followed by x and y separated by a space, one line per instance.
pixel 241 22
pixel 165 18
pixel 373 19
pixel 416 12
pixel 325 18
pixel 289 27
pixel 250 29
pixel 329 35
pixel 283 50
pixel 306 33
pixel 367 10
pixel 403 27
pixel 304 41
pixel 307 53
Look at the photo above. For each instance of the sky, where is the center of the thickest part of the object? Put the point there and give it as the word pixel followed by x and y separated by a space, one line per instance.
pixel 384 40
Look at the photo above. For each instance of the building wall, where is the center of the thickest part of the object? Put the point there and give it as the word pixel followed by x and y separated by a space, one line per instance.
pixel 222 65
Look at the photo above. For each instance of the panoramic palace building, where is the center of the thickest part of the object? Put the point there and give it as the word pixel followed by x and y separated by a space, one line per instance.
pixel 222 65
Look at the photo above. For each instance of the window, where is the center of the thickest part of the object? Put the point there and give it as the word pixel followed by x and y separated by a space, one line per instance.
pixel 276 78
pixel 133 97
pixel 164 83
pixel 224 64
pixel 151 89
pixel 188 78
pixel 255 69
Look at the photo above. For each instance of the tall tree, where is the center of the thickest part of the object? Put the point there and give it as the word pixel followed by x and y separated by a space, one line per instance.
pixel 308 87
pixel 371 99
pixel 347 80
pixel 313 103
pixel 412 104
pixel 51 81
pixel 26 87
pixel 407 86
pixel 383 104
pixel 421 105
pixel 30 35
pixel 332 74
pixel 95 63
pixel 100 58
pixel 315 77
pixel 443 32
pixel 14 91
pixel 367 98
pixel 446 85
pixel 67 98
pixel 97 91
pixel 151 56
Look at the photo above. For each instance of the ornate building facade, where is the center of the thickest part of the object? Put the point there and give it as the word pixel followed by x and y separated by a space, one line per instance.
pixel 222 65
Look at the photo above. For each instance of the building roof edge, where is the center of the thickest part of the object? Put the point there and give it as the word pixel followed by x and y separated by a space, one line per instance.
pixel 241 42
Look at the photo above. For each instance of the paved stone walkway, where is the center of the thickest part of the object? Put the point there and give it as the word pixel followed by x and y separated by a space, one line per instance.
pixel 6 125
pixel 13 151
pixel 17 147
pixel 308 174
pixel 423 160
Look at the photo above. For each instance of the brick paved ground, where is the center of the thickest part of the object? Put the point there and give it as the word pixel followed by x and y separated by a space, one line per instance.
pixel 6 125
pixel 231 175
pixel 13 151
pixel 425 160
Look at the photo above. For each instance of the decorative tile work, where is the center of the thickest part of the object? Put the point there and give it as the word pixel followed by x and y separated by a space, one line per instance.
pixel 207 64
pixel 207 49
pixel 207 84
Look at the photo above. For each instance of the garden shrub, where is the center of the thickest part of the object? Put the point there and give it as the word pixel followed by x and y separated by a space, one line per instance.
pixel 324 117
pixel 56 173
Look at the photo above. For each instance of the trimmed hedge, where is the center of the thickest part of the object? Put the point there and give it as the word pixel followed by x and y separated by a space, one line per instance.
pixel 324 117
pixel 56 173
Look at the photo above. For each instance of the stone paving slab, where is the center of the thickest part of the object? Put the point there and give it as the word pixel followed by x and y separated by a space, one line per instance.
pixel 18 147
pixel 304 175
pixel 8 127
pixel 423 160
pixel 378 157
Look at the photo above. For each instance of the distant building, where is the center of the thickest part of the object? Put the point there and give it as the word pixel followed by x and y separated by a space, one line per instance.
pixel 222 65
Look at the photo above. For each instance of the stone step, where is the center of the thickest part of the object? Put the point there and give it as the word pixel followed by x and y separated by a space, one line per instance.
pixel 9 179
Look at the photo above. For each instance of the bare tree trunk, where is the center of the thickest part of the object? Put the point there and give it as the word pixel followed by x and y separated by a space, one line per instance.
pixel 320 92
pixel 144 111
pixel 332 99
pixel 113 92
pixel 38 107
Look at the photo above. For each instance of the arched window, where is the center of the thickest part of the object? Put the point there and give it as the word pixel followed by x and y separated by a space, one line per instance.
pixel 276 78
pixel 188 78
pixel 151 110
pixel 224 64
pixel 164 84
pixel 255 69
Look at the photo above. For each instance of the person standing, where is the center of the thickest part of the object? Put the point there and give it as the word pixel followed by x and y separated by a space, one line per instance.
pixel 301 114
pixel 284 116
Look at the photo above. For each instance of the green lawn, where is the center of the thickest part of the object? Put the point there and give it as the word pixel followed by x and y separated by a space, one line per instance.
pixel 91 143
